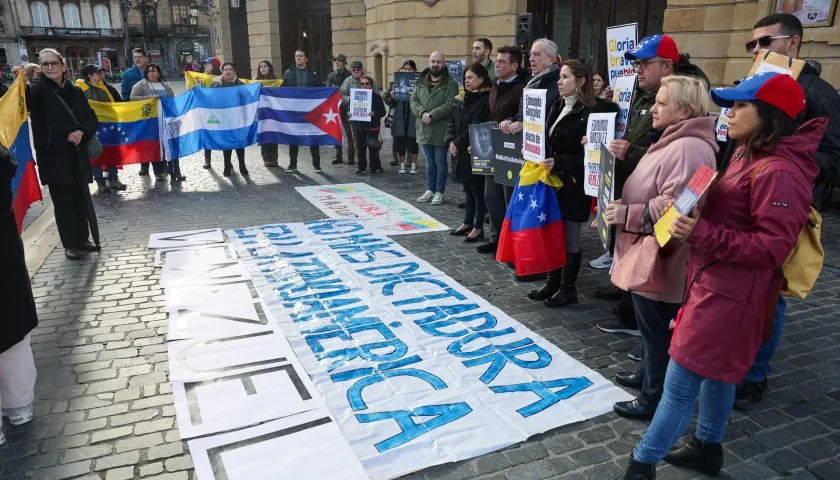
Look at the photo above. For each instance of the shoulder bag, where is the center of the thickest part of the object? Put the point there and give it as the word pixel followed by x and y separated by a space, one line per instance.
pixel 94 148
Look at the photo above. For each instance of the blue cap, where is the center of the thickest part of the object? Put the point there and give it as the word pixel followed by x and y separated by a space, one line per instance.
pixel 655 46
pixel 777 89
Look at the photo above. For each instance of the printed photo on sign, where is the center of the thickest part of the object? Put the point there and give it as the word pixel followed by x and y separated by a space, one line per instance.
pixel 620 39
pixel 600 130
pixel 623 96
pixel 361 101
pixel 606 194
pixel 186 238
pixel 810 12
pixel 507 159
pixel 533 125
pixel 456 71
pixel 404 83
pixel 481 146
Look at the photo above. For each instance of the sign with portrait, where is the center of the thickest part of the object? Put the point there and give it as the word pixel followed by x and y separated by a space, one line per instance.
pixel 812 13
pixel 404 83
pixel 481 147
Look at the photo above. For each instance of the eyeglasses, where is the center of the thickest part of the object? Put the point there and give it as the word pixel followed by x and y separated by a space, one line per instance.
pixel 764 41
pixel 50 64
pixel 644 64
pixel 366 84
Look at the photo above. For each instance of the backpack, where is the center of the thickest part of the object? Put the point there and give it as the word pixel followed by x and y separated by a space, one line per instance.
pixel 805 262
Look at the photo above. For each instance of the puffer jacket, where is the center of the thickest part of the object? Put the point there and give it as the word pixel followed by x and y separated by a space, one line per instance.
pixel 437 103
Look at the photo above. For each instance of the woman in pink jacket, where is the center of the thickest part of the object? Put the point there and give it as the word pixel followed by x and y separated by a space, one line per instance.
pixel 738 241
pixel 683 141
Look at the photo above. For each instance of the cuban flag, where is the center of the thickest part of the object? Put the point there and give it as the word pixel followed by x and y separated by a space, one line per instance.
pixel 14 135
pixel 213 118
pixel 300 116
pixel 532 235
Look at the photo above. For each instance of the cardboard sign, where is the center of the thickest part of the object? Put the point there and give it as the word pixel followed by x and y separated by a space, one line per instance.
pixel 361 103
pixel 620 39
pixel 600 130
pixel 685 201
pixel 767 61
pixel 533 126
pixel 404 83
pixel 481 146
pixel 507 161
pixel 606 194
pixel 623 95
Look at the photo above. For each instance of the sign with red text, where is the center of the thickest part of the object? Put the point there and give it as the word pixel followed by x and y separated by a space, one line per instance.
pixel 600 130
pixel 620 39
pixel 533 125
pixel 623 96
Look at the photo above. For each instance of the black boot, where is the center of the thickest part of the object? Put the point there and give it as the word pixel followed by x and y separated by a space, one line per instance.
pixel 639 471
pixel 706 458
pixel 550 288
pixel 243 170
pixel 567 295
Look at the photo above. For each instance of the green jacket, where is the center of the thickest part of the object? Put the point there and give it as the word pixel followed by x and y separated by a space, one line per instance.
pixel 491 69
pixel 638 126
pixel 437 103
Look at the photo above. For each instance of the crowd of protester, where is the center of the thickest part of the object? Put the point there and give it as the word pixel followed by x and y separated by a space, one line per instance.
pixel 707 307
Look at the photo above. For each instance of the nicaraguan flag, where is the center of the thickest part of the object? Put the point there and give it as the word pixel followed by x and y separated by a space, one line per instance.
pixel 14 135
pixel 300 116
pixel 532 235
pixel 213 118
pixel 128 132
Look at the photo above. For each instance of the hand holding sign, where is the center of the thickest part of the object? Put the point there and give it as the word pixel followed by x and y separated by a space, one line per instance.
pixel 361 102
pixel 619 148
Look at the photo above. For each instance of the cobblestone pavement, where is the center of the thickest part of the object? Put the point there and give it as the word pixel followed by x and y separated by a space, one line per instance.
pixel 104 404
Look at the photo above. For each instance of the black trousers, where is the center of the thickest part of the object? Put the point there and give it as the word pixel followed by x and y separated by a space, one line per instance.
pixel 476 208
pixel 293 156
pixel 208 155
pixel 362 149
pixel 348 134
pixel 496 198
pixel 70 204
pixel 269 153
pixel 157 167
pixel 240 155
pixel 654 320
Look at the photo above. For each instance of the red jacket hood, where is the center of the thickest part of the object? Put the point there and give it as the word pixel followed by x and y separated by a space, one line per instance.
pixel 700 127
pixel 800 147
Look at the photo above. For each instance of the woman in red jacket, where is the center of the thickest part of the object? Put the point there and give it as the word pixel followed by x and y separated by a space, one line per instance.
pixel 749 223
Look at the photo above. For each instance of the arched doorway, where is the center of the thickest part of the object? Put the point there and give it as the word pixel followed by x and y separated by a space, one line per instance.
pixel 76 58
pixel 308 27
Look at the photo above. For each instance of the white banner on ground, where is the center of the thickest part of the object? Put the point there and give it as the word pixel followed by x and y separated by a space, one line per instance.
pixel 416 369
pixel 186 238
pixel 623 96
pixel 391 216
pixel 533 125
pixel 194 256
pixel 308 446
pixel 599 130
pixel 620 38
pixel 202 274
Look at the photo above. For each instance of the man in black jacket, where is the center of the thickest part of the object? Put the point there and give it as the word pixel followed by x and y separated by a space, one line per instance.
pixel 546 73
pixel 336 79
pixel 302 77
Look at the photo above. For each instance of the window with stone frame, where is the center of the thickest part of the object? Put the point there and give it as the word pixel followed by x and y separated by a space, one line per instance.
pixel 101 16
pixel 181 14
pixel 71 16
pixel 40 14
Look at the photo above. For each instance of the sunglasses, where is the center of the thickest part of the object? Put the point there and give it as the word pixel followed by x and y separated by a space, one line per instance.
pixel 50 64
pixel 763 42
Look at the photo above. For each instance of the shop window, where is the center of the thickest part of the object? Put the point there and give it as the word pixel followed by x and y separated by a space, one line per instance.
pixel 40 14
pixel 71 16
pixel 181 15
pixel 101 16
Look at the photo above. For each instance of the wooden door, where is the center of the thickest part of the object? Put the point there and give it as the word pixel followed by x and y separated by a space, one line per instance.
pixel 312 30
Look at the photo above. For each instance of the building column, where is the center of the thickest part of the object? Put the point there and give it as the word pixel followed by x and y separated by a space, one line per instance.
pixel 264 33
pixel 224 52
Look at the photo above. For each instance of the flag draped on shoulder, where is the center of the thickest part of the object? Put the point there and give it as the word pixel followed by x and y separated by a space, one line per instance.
pixel 532 235
pixel 300 116
pixel 14 135
pixel 196 79
pixel 209 118
pixel 128 132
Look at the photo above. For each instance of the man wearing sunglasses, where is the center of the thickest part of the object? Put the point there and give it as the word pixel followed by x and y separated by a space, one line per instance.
pixel 782 34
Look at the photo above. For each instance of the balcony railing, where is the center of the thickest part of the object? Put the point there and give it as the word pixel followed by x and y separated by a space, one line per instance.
pixel 165 30
pixel 61 32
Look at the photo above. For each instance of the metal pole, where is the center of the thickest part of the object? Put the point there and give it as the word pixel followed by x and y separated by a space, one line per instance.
pixel 126 39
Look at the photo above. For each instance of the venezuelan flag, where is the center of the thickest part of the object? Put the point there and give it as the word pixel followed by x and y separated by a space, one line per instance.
pixel 532 235
pixel 195 79
pixel 14 135
pixel 128 132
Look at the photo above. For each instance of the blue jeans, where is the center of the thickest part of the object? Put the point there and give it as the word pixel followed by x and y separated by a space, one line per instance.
pixel 97 173
pixel 676 409
pixel 761 366
pixel 436 167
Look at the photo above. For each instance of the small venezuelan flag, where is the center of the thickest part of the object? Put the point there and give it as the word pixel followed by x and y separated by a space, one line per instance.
pixel 196 79
pixel 14 135
pixel 532 235
pixel 128 132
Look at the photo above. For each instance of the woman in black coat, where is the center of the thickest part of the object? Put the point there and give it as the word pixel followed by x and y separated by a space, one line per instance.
pixel 17 367
pixel 566 124
pixel 473 107
pixel 61 149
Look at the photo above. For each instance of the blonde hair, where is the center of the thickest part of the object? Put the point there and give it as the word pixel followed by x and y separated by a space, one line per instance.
pixel 689 92
pixel 29 71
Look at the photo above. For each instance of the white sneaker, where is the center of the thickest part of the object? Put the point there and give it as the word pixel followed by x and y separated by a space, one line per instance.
pixel 438 199
pixel 402 168
pixel 2 438
pixel 426 197
pixel 20 415
pixel 602 262
pixel 413 170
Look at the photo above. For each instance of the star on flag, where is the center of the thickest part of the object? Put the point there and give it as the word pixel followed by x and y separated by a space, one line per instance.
pixel 542 217
pixel 330 116
pixel 534 203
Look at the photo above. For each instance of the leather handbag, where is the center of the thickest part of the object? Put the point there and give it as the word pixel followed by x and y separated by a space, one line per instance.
pixel 374 143
pixel 94 147
pixel 639 269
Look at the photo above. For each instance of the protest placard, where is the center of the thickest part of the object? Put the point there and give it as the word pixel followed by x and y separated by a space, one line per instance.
pixel 620 38
pixel 600 130
pixel 404 83
pixel 685 201
pixel 507 161
pixel 606 194
pixel 456 71
pixel 481 146
pixel 533 126
pixel 722 125
pixel 767 61
pixel 623 96
pixel 361 102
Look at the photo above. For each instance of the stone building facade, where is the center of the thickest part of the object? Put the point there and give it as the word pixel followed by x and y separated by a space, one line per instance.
pixel 384 33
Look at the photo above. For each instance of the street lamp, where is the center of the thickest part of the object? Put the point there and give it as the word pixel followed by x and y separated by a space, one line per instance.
pixel 203 6
pixel 144 7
